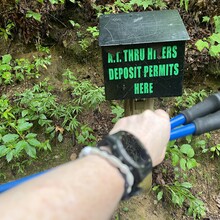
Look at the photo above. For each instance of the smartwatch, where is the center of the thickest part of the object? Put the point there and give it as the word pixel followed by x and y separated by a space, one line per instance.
pixel 130 151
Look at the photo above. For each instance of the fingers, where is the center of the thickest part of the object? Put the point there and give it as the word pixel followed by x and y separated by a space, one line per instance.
pixel 151 128
pixel 162 113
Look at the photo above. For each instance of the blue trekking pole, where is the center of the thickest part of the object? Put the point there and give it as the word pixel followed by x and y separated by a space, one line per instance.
pixel 202 117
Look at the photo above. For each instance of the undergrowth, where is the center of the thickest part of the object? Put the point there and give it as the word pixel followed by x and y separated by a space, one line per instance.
pixel 39 107
pixel 183 157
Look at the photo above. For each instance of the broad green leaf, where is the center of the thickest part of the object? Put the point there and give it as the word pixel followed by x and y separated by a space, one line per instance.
pixel 74 24
pixel 201 142
pixel 10 155
pixel 176 199
pixel 60 137
pixel 6 58
pixel 35 15
pixel 145 4
pixel 217 24
pixel 31 135
pixel 80 139
pixel 24 113
pixel 189 138
pixel 6 75
pixel 215 37
pixel 183 164
pixel 20 146
pixel 191 163
pixel 43 116
pixel 205 19
pixel 24 126
pixel 214 50
pixel 175 159
pixel 31 151
pixel 188 150
pixel 3 150
pixel 9 138
pixel 46 145
pixel 186 185
pixel 200 44
pixel 50 129
pixel 212 149
pixel 57 1
pixel 5 67
pixel 34 142
pixel 204 150
pixel 155 187
pixel 160 195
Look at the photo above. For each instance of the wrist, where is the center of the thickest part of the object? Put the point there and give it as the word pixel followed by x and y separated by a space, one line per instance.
pixel 131 152
pixel 115 162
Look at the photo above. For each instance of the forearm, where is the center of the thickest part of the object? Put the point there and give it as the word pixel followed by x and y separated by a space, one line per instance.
pixel 89 188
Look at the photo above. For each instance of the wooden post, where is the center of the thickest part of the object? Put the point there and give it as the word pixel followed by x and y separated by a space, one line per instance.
pixel 131 107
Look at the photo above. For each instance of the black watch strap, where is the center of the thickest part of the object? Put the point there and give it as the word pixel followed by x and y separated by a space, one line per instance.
pixel 131 152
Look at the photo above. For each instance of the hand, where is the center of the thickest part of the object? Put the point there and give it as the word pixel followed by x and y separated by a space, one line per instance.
pixel 151 128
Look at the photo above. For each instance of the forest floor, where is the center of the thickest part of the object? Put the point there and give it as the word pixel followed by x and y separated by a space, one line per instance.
pixel 205 179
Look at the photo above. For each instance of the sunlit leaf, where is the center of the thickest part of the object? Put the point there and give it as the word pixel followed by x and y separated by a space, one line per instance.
pixel 60 137
pixel 20 146
pixel 191 163
pixel 34 142
pixel 175 159
pixel 215 37
pixel 188 150
pixel 31 135
pixel 183 164
pixel 24 126
pixel 10 155
pixel 35 15
pixel 186 185
pixel 6 58
pixel 200 44
pixel 214 50
pixel 31 151
pixel 205 19
pixel 217 24
pixel 8 138
pixel 160 195
pixel 3 150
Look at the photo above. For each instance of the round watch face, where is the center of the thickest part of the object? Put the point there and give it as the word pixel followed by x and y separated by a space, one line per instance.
pixel 134 149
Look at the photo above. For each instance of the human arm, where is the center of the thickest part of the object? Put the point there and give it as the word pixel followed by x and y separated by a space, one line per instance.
pixel 88 188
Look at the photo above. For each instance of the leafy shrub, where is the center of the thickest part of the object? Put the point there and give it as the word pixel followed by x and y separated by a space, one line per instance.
pixel 212 43
pixel 127 6
pixel 17 70
pixel 190 98
pixel 118 111
pixel 16 137
pixel 30 19
pixel 84 92
pixel 179 191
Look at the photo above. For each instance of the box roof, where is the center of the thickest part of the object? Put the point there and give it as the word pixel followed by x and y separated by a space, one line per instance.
pixel 141 28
